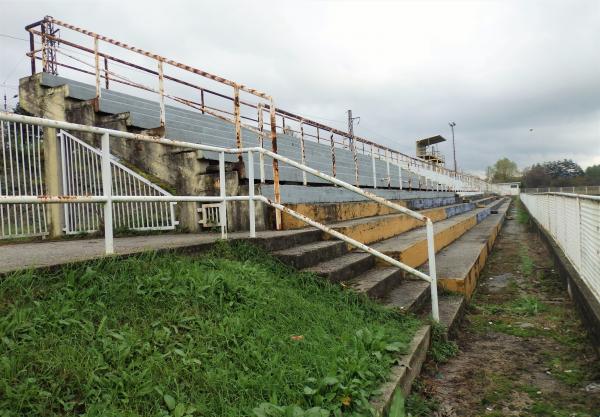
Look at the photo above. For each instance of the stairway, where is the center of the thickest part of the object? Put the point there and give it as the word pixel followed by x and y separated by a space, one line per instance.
pixel 461 225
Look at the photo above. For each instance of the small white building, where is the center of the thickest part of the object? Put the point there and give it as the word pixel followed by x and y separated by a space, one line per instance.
pixel 508 188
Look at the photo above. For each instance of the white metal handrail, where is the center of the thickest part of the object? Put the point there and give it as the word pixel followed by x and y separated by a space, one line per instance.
pixel 108 198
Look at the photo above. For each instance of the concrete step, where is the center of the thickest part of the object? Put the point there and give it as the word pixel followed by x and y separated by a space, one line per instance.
pixel 452 307
pixel 343 268
pixel 279 240
pixel 459 265
pixel 409 296
pixel 310 254
pixel 376 282
pixel 374 229
pixel 410 248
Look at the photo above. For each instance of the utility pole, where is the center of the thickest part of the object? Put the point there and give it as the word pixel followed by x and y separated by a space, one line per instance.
pixel 352 144
pixel 452 124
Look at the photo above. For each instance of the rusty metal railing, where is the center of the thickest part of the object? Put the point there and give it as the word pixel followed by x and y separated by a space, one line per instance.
pixel 70 43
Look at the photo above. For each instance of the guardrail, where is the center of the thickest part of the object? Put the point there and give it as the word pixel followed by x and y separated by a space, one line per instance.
pixel 573 221
pixel 99 59
pixel 581 189
pixel 108 198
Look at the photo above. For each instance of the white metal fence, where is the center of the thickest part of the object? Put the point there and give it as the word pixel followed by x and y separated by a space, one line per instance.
pixel 21 173
pixel 573 221
pixel 81 175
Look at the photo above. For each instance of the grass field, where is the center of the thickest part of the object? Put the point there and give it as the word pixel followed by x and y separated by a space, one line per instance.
pixel 228 333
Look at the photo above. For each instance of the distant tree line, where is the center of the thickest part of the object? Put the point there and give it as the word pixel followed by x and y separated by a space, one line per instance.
pixel 564 173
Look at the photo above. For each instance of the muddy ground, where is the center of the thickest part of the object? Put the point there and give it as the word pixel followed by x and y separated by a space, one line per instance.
pixel 522 348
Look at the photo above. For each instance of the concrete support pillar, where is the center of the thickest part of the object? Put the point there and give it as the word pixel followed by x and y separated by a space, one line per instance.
pixel 52 177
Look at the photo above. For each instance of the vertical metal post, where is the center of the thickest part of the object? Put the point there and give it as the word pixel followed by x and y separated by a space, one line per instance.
pixel 238 125
pixel 202 100
pixel 318 138
pixel 435 313
pixel 261 143
pixel 251 201
pixel 276 190
pixel 400 173
pixel 302 153
pixel 161 91
pixel 32 52
pixel 222 186
pixel 44 47
pixel 106 72
pixel 387 163
pixel 353 146
pixel 97 64
pixel 107 189
pixel 374 168
pixel 332 145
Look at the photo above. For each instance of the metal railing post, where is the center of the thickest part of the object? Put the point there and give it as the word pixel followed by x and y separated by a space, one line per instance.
pixel 161 92
pixel 97 64
pixel 107 190
pixel 238 125
pixel 222 187
pixel 374 168
pixel 387 167
pixel 276 191
pixel 332 146
pixel 251 202
pixel 435 313
pixel 302 153
pixel 261 156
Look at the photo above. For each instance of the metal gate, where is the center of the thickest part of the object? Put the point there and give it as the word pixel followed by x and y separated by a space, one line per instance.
pixel 81 175
pixel 21 173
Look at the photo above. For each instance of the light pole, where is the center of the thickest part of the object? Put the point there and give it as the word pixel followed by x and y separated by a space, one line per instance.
pixel 452 124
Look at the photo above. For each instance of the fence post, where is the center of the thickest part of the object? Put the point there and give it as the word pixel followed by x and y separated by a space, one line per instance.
pixel 374 168
pixel 387 167
pixel 97 64
pixel 251 194
pixel 238 126
pixel 432 271
pixel 222 186
pixel 332 146
pixel 276 191
pixel 107 190
pixel 261 138
pixel 302 153
pixel 161 91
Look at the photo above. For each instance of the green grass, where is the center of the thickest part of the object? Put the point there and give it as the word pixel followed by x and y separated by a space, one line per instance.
pixel 522 215
pixel 229 333
pixel 441 349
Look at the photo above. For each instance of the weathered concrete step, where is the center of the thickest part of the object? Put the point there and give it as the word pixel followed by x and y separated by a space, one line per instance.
pixel 459 265
pixel 376 282
pixel 348 210
pixel 343 268
pixel 452 308
pixel 310 254
pixel 409 296
pixel 411 247
pixel 279 240
pixel 374 229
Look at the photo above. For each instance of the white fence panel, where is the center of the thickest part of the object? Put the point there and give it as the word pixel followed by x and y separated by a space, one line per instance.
pixel 81 176
pixel 21 173
pixel 573 221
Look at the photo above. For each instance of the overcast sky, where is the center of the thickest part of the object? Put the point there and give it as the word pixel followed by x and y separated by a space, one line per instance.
pixel 497 68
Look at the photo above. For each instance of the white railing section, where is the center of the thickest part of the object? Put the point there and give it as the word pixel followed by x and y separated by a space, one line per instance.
pixel 81 175
pixel 110 197
pixel 21 173
pixel 573 221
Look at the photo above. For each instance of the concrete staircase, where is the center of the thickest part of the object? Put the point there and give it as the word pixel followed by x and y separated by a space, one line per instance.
pixel 464 234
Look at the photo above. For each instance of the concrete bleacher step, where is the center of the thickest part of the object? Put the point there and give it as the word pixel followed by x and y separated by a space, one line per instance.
pixel 410 247
pixel 376 282
pixel 343 268
pixel 409 296
pixel 309 254
pixel 459 265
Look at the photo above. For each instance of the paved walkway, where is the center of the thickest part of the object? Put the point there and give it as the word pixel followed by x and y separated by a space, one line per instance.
pixel 52 253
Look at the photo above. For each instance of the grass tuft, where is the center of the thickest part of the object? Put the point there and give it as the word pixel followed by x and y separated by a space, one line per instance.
pixel 229 333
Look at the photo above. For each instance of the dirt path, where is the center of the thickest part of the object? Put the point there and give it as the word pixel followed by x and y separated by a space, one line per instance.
pixel 523 350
